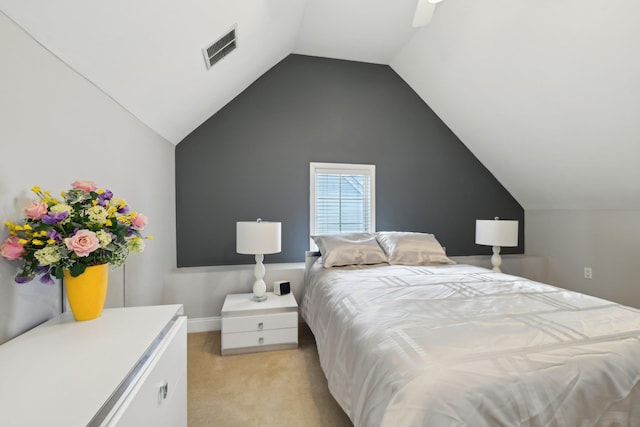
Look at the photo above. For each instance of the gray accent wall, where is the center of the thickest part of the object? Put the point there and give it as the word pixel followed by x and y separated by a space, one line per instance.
pixel 251 159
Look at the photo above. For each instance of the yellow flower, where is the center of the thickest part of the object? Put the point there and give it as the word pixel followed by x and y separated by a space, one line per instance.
pixel 35 189
pixel 150 237
pixel 18 228
pixel 94 202
pixel 37 242
pixel 50 241
pixel 63 194
pixel 100 191
pixel 27 227
pixel 108 223
pixel 47 193
pixel 23 241
pixel 12 228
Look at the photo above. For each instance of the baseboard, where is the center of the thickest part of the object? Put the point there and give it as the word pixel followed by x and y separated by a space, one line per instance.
pixel 204 324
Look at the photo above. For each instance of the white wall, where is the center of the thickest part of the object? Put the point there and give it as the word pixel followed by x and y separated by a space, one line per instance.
pixel 55 127
pixel 202 290
pixel 605 240
pixel 527 266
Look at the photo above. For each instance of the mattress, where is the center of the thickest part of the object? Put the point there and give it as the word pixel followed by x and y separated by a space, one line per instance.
pixel 459 345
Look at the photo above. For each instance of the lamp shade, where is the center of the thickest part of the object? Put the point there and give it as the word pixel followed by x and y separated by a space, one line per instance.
pixel 257 237
pixel 496 232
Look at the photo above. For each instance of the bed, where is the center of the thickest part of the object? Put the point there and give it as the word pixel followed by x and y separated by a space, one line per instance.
pixel 439 344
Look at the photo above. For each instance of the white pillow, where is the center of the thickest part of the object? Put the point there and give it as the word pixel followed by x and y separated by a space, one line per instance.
pixel 349 249
pixel 406 248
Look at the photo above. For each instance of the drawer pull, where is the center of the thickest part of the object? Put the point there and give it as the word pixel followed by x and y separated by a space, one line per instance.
pixel 260 340
pixel 260 325
pixel 163 391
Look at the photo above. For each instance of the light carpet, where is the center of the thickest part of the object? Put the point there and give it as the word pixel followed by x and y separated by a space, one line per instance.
pixel 269 389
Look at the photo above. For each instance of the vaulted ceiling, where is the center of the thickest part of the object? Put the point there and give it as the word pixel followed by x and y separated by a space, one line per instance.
pixel 546 93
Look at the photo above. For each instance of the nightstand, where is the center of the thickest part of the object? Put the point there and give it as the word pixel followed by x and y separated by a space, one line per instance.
pixel 249 326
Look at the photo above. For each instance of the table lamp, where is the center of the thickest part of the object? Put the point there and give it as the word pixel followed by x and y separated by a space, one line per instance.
pixel 496 233
pixel 258 238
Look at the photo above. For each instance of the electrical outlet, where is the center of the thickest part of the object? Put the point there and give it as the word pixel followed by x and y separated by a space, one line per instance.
pixel 588 274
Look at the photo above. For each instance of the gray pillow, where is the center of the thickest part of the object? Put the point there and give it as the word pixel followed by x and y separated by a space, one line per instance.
pixel 406 248
pixel 349 249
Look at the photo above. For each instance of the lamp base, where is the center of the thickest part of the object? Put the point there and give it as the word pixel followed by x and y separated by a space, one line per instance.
pixel 260 298
pixel 496 259
pixel 259 287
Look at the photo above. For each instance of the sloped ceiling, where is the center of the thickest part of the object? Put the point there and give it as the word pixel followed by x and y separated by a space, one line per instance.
pixel 356 30
pixel 147 55
pixel 545 93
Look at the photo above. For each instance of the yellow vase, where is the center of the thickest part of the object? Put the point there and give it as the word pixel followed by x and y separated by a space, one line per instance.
pixel 87 292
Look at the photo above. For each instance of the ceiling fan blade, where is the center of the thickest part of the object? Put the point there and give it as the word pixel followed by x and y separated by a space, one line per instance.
pixel 424 13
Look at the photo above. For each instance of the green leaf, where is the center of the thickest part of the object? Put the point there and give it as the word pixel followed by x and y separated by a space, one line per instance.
pixel 77 269
pixel 57 272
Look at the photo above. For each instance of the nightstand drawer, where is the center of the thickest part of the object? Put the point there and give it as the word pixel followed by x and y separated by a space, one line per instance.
pixel 264 322
pixel 260 339
pixel 249 326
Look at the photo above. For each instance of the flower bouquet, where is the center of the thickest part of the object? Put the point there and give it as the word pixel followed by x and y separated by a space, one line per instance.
pixel 86 227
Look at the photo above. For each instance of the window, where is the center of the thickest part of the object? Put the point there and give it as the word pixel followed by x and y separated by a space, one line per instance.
pixel 342 198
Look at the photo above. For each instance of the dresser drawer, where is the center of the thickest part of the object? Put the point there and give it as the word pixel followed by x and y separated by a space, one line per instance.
pixel 260 338
pixel 159 398
pixel 259 322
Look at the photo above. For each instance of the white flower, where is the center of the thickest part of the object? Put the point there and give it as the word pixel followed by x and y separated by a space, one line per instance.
pixel 116 203
pixel 135 245
pixel 97 214
pixel 61 207
pixel 103 237
pixel 48 255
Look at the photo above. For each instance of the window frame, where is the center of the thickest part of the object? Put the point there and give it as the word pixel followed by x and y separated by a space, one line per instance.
pixel 337 169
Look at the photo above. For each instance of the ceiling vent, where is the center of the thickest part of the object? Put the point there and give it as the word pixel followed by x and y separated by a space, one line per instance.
pixel 221 47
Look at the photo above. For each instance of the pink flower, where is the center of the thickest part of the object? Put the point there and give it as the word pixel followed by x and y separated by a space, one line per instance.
pixel 83 242
pixel 11 249
pixel 87 186
pixel 138 222
pixel 36 210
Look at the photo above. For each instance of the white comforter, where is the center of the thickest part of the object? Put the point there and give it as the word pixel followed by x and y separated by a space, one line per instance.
pixel 464 346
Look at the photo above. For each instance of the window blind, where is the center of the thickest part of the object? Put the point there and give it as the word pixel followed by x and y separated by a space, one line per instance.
pixel 342 203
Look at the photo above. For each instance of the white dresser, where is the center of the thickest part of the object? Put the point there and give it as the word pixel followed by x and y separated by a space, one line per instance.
pixel 250 326
pixel 126 368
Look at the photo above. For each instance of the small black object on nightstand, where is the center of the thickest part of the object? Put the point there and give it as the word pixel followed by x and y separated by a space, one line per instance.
pixel 282 287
